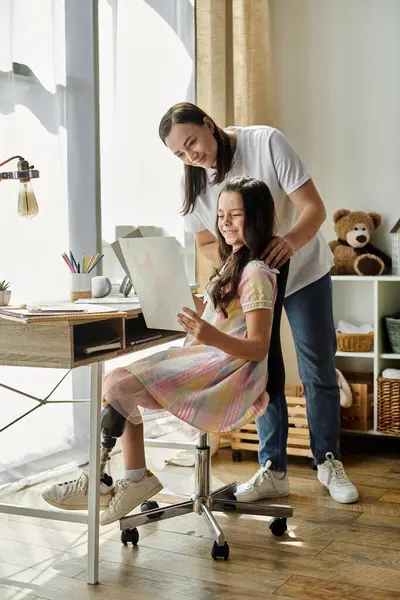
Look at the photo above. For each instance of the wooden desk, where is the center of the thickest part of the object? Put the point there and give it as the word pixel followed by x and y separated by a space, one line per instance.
pixel 59 344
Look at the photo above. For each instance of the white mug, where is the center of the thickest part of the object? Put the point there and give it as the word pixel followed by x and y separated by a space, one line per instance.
pixel 101 286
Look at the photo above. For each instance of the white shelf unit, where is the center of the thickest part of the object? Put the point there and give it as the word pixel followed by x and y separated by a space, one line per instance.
pixel 356 354
pixel 359 300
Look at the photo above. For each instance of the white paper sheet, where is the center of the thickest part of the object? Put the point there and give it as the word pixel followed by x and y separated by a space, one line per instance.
pixel 158 275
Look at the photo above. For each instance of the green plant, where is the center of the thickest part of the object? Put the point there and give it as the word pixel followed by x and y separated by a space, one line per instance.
pixel 4 285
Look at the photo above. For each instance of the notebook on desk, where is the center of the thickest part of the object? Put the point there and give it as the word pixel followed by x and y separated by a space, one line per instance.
pixel 137 332
pixel 57 312
pixel 115 344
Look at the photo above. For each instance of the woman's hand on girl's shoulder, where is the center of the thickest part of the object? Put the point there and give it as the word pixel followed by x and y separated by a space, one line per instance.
pixel 277 252
pixel 204 332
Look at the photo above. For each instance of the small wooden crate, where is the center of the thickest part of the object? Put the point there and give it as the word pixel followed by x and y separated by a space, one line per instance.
pixel 246 438
pixel 359 415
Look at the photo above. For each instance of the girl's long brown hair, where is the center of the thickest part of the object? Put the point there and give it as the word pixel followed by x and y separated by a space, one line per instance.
pixel 196 177
pixel 258 231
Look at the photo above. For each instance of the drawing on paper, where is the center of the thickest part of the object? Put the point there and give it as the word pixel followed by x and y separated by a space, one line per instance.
pixel 159 278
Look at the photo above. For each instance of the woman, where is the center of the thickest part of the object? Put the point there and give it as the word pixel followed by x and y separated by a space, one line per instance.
pixel 211 155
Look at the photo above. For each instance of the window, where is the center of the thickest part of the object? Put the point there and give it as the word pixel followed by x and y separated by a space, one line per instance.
pixel 47 114
pixel 153 47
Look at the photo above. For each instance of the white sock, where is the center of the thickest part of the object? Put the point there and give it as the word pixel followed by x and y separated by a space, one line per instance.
pixel 135 474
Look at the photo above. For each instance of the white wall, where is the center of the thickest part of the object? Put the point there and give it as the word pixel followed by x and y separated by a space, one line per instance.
pixel 337 83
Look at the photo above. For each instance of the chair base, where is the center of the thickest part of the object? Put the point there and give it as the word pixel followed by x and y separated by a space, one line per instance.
pixel 204 502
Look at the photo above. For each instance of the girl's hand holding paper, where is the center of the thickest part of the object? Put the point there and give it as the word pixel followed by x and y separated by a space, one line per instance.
pixel 197 327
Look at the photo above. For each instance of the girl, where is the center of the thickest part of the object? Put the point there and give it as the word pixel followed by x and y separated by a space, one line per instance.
pixel 211 155
pixel 217 380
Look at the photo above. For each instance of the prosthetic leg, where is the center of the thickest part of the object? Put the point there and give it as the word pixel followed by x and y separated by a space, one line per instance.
pixel 112 427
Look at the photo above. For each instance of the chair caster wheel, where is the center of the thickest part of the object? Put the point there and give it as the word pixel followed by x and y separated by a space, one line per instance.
pixel 148 505
pixel 220 552
pixel 236 455
pixel 130 535
pixel 278 526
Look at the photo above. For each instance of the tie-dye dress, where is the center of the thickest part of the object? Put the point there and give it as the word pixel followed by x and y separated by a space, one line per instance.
pixel 202 385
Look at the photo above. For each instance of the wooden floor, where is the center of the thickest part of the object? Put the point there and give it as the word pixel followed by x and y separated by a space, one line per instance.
pixel 331 552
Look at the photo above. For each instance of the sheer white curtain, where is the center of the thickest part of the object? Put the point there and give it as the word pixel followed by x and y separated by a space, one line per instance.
pixel 151 67
pixel 146 64
pixel 34 124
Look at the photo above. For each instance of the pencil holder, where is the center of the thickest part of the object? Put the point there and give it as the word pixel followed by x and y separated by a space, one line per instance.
pixel 80 285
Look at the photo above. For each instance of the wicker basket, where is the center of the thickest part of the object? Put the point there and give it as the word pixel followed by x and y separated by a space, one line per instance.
pixel 355 342
pixel 393 331
pixel 389 406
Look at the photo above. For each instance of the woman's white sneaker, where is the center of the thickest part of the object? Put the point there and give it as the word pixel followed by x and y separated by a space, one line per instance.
pixel 332 475
pixel 127 495
pixel 263 485
pixel 73 495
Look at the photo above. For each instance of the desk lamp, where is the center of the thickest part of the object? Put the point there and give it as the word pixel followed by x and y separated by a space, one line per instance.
pixel 27 205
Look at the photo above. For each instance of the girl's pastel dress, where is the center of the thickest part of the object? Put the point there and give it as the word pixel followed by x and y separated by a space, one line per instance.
pixel 199 384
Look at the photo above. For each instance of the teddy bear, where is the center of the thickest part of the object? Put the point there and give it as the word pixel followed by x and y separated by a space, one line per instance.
pixel 352 251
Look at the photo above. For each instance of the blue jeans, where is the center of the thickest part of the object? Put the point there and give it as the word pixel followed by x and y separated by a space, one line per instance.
pixel 309 312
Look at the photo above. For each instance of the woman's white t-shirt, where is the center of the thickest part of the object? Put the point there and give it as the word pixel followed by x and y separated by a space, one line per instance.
pixel 264 153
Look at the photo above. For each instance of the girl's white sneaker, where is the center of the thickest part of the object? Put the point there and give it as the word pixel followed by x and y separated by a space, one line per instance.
pixel 127 495
pixel 73 495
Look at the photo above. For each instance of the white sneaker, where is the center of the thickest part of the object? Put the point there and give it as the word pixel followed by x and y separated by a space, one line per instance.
pixel 73 495
pixel 127 495
pixel 264 484
pixel 332 475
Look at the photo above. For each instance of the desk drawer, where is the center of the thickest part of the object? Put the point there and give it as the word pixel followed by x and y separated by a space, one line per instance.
pixel 30 345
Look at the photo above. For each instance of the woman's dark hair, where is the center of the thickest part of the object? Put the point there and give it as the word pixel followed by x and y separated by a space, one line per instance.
pixel 258 231
pixel 196 177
